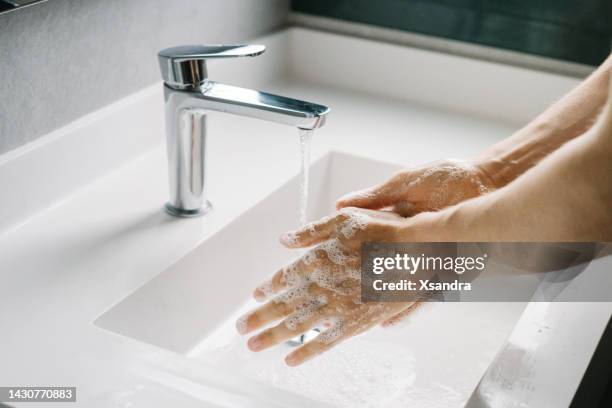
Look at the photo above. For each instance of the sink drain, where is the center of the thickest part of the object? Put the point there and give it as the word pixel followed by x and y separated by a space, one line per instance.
pixel 303 338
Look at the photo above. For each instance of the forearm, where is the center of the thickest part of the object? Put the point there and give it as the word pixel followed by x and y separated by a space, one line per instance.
pixel 568 118
pixel 568 197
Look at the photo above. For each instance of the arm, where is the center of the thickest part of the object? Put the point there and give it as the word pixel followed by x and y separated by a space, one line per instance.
pixel 567 197
pixel 445 183
pixel 568 118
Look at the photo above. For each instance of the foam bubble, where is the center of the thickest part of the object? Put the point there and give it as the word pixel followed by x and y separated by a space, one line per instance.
pixel 323 276
pixel 482 189
pixel 336 252
pixel 309 257
pixel 356 221
pixel 449 177
pixel 333 333
pixel 290 275
pixel 289 239
pixel 304 311
pixel 293 293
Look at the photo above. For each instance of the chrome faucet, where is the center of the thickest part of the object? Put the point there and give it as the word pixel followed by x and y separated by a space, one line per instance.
pixel 189 97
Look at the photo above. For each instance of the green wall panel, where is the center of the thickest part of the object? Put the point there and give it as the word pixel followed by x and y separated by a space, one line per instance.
pixel 578 31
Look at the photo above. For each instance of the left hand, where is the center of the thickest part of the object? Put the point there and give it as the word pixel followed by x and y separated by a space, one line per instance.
pixel 429 187
pixel 322 287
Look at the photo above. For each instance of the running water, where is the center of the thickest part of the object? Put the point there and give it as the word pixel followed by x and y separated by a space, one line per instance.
pixel 305 138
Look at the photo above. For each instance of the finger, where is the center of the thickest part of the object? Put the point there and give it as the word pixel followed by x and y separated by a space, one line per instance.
pixel 356 321
pixel 278 282
pixel 289 275
pixel 297 323
pixel 376 197
pixel 313 233
pixel 295 297
pixel 405 208
pixel 263 315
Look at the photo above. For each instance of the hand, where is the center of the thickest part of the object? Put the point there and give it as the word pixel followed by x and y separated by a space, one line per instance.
pixel 322 287
pixel 430 187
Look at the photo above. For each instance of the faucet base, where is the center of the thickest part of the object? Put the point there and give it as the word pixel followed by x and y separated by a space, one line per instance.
pixel 180 212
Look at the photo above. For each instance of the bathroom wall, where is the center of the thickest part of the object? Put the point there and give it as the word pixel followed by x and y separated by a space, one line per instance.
pixel 575 31
pixel 64 58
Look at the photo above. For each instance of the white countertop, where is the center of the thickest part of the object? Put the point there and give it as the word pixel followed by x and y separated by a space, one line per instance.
pixel 67 264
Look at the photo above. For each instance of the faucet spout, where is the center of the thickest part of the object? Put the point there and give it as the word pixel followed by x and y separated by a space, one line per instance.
pixel 219 97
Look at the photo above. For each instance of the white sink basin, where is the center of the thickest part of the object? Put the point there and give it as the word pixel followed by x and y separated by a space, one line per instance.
pixel 191 308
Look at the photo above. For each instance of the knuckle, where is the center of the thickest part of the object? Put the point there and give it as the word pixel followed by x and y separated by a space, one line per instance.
pixel 281 308
pixel 254 320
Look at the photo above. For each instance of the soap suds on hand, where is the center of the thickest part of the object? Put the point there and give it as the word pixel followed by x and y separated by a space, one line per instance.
pixel 304 311
pixel 356 221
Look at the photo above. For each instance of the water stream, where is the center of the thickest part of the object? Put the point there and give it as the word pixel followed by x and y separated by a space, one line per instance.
pixel 305 141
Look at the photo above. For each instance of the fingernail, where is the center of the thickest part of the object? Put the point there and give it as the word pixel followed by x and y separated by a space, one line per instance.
pixel 241 324
pixel 254 343
pixel 291 361
pixel 263 291
pixel 288 239
pixel 259 295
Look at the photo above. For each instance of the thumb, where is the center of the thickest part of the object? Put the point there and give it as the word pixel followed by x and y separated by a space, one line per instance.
pixel 373 198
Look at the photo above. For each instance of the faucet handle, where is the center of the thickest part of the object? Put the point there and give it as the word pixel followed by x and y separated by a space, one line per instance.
pixel 185 66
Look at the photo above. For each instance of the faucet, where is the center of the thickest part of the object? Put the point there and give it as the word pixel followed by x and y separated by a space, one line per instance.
pixel 190 96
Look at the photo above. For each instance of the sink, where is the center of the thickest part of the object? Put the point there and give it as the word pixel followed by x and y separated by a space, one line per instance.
pixel 434 358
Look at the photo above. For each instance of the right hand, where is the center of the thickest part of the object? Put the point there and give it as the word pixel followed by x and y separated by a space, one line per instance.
pixel 323 287
pixel 430 187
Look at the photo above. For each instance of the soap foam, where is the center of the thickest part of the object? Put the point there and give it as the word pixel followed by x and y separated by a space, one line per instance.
pixel 289 239
pixel 290 275
pixel 304 311
pixel 336 252
pixel 293 293
pixel 333 333
pixel 447 174
pixel 356 221
pixel 445 178
pixel 323 276
pixel 311 226
pixel 309 257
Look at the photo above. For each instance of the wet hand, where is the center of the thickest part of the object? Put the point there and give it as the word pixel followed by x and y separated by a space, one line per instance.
pixel 430 187
pixel 322 288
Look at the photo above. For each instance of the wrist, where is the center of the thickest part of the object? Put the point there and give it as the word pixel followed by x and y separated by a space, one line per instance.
pixel 492 170
pixel 509 159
